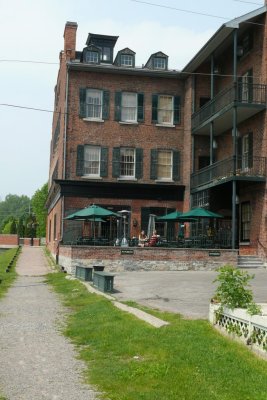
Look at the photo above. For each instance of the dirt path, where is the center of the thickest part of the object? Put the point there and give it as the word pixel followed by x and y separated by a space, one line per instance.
pixel 36 361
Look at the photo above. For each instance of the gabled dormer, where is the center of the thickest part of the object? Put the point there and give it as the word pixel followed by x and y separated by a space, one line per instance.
pixel 91 55
pixel 105 44
pixel 125 58
pixel 157 61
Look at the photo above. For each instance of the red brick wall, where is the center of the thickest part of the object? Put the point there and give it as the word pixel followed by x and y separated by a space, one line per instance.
pixel 112 134
pixel 12 240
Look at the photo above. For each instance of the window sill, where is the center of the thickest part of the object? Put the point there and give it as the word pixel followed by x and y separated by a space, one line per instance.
pixel 165 125
pixel 127 123
pixel 244 243
pixel 93 120
pixel 126 179
pixel 91 177
pixel 164 181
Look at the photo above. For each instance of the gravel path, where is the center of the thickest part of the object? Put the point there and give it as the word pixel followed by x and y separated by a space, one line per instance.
pixel 36 361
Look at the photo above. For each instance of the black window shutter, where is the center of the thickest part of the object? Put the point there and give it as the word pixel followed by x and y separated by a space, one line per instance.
pixel 104 162
pixel 250 150
pixel 153 164
pixel 116 162
pixel 139 163
pixel 117 106
pixel 140 107
pixel 80 160
pixel 239 152
pixel 176 165
pixel 105 111
pixel 250 85
pixel 177 110
pixel 82 112
pixel 154 108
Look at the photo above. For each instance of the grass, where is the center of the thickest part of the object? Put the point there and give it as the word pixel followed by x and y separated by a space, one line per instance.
pixel 130 360
pixel 7 277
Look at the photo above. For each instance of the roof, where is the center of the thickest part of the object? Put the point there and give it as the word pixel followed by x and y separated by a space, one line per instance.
pixel 220 37
pixel 92 36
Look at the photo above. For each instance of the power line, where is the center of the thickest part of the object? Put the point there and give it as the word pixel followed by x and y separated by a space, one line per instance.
pixel 191 12
pixel 30 61
pixel 248 2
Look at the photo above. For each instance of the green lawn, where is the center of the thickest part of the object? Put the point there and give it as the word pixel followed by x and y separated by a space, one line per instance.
pixel 130 360
pixel 7 278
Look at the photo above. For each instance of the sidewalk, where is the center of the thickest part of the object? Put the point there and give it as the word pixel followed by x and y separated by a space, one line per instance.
pixel 36 361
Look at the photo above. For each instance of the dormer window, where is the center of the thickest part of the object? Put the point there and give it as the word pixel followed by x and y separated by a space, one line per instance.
pixel 159 63
pixel 105 54
pixel 127 60
pixel 91 57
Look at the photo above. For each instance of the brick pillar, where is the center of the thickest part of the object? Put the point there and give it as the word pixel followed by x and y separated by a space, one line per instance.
pixel 70 39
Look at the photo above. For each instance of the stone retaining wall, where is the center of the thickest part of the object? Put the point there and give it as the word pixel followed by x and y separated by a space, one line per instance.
pixel 117 259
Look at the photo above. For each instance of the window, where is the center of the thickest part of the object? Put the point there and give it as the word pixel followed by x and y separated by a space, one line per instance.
pixel 159 63
pixel 126 60
pixel 164 170
pixel 94 103
pixel 129 107
pixel 91 57
pixel 165 109
pixel 245 87
pixel 127 162
pixel 55 226
pixel 165 165
pixel 92 160
pixel 245 152
pixel 245 221
pixel 105 54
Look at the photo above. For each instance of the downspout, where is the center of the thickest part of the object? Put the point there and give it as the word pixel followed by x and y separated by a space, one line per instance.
pixel 193 110
pixel 211 97
pixel 64 148
pixel 234 133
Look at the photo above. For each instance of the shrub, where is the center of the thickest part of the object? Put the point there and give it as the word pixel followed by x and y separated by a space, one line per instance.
pixel 233 291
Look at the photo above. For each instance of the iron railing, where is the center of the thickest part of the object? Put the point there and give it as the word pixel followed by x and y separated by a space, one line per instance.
pixel 245 93
pixel 229 167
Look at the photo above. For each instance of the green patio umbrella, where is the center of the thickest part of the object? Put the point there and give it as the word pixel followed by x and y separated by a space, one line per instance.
pixel 175 216
pixel 200 213
pixel 92 213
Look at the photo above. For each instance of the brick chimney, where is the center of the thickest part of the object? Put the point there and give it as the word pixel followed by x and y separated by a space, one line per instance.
pixel 70 39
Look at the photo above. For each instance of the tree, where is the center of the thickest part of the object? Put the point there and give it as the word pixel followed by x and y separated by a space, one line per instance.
pixel 13 206
pixel 38 207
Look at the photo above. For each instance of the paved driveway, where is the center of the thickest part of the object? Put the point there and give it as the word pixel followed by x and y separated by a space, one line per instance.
pixel 185 292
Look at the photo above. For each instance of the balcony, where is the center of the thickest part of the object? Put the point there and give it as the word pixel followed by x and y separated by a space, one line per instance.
pixel 249 98
pixel 248 169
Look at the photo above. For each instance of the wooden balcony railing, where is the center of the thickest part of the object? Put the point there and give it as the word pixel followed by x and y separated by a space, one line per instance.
pixel 245 93
pixel 223 170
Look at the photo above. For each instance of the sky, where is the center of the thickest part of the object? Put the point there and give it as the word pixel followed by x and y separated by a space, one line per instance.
pixel 32 30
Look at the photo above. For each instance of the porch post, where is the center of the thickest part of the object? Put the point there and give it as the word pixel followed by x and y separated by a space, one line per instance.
pixel 234 134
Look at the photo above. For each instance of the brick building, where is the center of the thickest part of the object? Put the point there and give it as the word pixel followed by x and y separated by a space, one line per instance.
pixel 118 138
pixel 151 140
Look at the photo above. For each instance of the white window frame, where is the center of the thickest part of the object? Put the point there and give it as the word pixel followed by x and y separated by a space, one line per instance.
pixel 126 109
pixel 96 114
pixel 245 152
pixel 164 111
pixel 166 165
pixel 92 151
pixel 131 164
pixel 160 63
pixel 126 60
pixel 92 57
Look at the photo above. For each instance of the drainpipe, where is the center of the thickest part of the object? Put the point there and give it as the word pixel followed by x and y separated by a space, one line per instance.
pixel 234 133
pixel 193 110
pixel 211 97
pixel 64 148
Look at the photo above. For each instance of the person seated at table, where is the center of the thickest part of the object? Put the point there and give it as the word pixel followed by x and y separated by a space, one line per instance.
pixel 153 239
pixel 142 239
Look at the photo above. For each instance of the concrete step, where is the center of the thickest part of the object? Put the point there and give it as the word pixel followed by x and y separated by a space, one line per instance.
pixel 249 262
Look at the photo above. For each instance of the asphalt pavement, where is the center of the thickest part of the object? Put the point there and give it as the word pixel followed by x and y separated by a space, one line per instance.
pixel 183 292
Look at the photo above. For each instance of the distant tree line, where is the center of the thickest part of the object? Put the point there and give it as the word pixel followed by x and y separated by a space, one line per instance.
pixel 24 216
